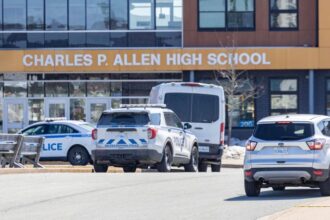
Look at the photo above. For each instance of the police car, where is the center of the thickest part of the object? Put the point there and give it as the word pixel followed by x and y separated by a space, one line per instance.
pixel 141 136
pixel 65 140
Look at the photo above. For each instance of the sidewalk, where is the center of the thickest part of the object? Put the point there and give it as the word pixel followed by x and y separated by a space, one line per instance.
pixel 319 210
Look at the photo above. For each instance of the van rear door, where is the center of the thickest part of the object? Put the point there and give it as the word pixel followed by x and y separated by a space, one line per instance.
pixel 201 110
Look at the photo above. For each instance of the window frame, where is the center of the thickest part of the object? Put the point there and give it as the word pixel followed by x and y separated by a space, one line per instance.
pixel 282 11
pixel 226 28
pixel 270 92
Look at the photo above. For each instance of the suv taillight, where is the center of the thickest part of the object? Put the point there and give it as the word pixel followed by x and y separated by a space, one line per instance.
pixel 94 134
pixel 152 132
pixel 316 144
pixel 222 134
pixel 251 145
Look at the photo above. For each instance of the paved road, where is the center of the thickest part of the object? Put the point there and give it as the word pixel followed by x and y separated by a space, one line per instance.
pixel 139 196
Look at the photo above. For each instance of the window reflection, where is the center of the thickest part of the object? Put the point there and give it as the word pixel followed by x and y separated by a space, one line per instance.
pixel 36 89
pixel 56 89
pixel 77 109
pixel 77 15
pixel 14 14
pixel 98 89
pixel 119 16
pixel 97 14
pixel 169 14
pixel 141 14
pixel 56 14
pixel 36 110
pixel 15 89
pixel 77 89
pixel 35 12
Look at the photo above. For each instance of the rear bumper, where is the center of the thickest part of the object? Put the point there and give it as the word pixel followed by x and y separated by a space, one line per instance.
pixel 126 156
pixel 286 175
pixel 214 154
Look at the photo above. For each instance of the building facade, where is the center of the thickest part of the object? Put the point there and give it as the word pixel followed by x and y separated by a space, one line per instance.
pixel 76 58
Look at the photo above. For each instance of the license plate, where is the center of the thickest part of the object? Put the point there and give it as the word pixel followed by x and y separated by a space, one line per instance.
pixel 281 150
pixel 204 149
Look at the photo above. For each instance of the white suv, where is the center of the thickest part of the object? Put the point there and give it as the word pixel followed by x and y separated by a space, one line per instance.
pixel 139 136
pixel 288 150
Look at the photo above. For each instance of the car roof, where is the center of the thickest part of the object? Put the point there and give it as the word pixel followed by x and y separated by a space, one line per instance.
pixel 146 109
pixel 75 122
pixel 293 118
pixel 192 84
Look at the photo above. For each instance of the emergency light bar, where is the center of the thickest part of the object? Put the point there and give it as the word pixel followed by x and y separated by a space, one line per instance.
pixel 142 106
pixel 56 119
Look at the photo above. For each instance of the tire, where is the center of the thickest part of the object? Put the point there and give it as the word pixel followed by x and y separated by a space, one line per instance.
pixel 325 187
pixel 252 189
pixel 166 163
pixel 278 188
pixel 202 167
pixel 100 168
pixel 129 169
pixel 192 166
pixel 216 167
pixel 78 156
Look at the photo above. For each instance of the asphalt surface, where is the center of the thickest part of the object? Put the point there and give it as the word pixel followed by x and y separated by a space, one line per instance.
pixel 174 195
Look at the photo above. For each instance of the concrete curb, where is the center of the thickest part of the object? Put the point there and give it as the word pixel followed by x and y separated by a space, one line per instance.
pixel 313 210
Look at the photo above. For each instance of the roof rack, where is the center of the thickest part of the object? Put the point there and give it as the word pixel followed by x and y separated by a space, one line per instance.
pixel 142 106
pixel 55 119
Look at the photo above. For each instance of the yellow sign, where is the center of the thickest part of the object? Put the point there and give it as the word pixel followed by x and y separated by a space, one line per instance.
pixel 163 60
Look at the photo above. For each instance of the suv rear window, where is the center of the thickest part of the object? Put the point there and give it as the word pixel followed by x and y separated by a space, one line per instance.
pixel 198 108
pixel 129 118
pixel 284 132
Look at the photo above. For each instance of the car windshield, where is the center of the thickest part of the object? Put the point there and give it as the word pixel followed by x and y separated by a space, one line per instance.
pixel 87 126
pixel 284 131
pixel 126 119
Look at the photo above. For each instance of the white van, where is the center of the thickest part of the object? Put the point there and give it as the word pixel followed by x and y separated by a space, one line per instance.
pixel 203 106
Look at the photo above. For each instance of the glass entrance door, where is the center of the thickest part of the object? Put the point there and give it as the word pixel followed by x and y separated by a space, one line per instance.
pixel 95 107
pixel 57 108
pixel 15 115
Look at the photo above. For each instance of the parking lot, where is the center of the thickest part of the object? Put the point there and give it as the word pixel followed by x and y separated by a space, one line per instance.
pixel 152 195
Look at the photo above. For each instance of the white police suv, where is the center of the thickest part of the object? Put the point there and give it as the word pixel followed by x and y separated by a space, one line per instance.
pixel 65 140
pixel 141 136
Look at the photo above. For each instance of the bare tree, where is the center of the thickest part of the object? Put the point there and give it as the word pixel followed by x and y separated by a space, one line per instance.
pixel 239 87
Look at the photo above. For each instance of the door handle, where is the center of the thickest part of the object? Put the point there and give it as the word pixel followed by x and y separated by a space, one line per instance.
pixel 198 128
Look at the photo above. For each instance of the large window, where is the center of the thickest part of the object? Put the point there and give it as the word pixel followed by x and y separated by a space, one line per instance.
pixel 141 14
pixel 35 14
pixel 56 14
pixel 283 14
pixel 119 14
pixel 98 14
pixel 283 96
pixel 14 14
pixel 77 15
pixel 226 14
pixel 169 14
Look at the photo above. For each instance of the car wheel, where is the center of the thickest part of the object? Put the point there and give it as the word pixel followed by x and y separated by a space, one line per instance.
pixel 252 189
pixel 325 187
pixel 216 167
pixel 129 169
pixel 278 188
pixel 78 156
pixel 202 167
pixel 166 163
pixel 100 168
pixel 192 166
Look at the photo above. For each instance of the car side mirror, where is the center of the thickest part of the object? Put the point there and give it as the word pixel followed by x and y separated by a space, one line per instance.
pixel 187 126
